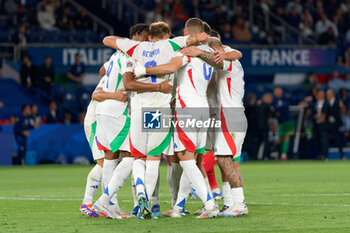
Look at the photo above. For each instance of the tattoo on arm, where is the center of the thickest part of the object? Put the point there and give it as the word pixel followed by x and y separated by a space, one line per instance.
pixel 189 41
pixel 209 58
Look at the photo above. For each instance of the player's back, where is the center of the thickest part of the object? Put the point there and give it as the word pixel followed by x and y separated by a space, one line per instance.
pixel 193 80
pixel 230 83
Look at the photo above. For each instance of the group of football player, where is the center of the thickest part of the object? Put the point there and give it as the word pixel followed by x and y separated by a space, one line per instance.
pixel 192 77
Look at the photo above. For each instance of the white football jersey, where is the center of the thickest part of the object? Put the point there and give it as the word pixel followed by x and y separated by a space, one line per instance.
pixel 193 79
pixel 90 116
pixel 118 64
pixel 152 54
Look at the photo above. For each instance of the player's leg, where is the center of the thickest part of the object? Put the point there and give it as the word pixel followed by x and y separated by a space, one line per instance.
pixel 155 199
pixel 226 192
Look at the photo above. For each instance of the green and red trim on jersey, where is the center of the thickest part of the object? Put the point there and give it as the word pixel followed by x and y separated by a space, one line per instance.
pixel 185 140
pixel 231 144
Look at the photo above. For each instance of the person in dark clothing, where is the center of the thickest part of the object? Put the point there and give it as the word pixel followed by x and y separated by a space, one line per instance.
pixel 333 119
pixel 82 21
pixel 250 139
pixel 65 20
pixel 52 116
pixel 77 71
pixel 321 125
pixel 28 72
pixel 20 37
pixel 46 76
pixel 21 131
pixel 285 120
pixel 264 110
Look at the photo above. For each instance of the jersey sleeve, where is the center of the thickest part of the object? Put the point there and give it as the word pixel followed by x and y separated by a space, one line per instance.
pixel 127 46
pixel 105 65
pixel 178 42
pixel 128 65
pixel 102 81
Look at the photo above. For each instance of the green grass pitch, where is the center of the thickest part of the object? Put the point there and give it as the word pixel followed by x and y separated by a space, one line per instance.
pixel 282 197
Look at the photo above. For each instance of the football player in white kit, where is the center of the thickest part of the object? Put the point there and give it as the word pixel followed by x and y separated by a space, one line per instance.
pixel 192 79
pixel 151 144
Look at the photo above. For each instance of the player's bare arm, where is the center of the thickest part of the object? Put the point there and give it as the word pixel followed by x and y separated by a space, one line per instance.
pixel 102 71
pixel 164 69
pixel 111 41
pixel 197 38
pixel 99 95
pixel 131 84
pixel 204 55
pixel 230 56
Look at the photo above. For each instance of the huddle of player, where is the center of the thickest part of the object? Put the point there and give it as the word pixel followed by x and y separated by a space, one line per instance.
pixel 178 76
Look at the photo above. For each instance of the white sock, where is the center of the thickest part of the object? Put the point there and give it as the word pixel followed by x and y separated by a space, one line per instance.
pixel 120 175
pixel 197 182
pixel 169 178
pixel 114 201
pixel 226 194
pixel 155 196
pixel 138 171
pixel 151 176
pixel 177 172
pixel 133 189
pixel 216 190
pixel 184 190
pixel 92 183
pixel 237 195
pixel 208 187
pixel 107 171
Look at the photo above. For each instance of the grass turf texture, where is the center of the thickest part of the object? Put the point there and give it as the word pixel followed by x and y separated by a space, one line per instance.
pixel 289 197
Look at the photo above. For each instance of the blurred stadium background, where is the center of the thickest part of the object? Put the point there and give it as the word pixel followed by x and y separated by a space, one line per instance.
pixel 301 46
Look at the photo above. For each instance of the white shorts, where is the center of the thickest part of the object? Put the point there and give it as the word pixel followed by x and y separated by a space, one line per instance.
pixel 192 139
pixel 230 137
pixel 145 141
pixel 113 132
pixel 90 133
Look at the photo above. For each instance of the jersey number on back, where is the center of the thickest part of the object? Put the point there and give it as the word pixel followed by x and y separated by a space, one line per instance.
pixel 207 75
pixel 151 64
pixel 108 72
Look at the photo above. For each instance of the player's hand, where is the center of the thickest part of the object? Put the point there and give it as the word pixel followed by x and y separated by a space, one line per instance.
pixel 191 51
pixel 219 57
pixel 121 96
pixel 139 70
pixel 202 36
pixel 165 87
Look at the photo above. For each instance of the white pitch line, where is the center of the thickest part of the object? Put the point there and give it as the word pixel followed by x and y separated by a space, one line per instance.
pixel 197 202
pixel 299 194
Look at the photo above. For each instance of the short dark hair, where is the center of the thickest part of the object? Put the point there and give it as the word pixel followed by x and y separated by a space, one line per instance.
pixel 194 25
pixel 159 30
pixel 207 28
pixel 138 29
pixel 24 106
pixel 214 33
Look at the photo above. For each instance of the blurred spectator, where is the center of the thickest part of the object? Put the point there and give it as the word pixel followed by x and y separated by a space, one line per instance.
pixel 67 118
pixel 306 133
pixel 46 76
pixel 65 21
pixel 285 120
pixel 334 119
pixel 344 97
pixel 28 72
pixel 324 24
pixel 10 6
pixel 166 17
pixel 35 116
pixel 77 71
pixel 274 139
pixel 154 15
pixel 226 32
pixel 345 118
pixel 240 31
pixel 82 21
pixel 250 112
pixel 20 37
pixel 327 38
pixel 21 131
pixel 294 4
pixel 238 12
pixel 336 81
pixel 46 18
pixel 52 116
pixel 320 125
pixel 81 117
pixel 20 17
pixel 294 17
pixel 332 7
pixel 264 111
pixel 3 12
pixel 180 16
pixel 347 56
pixel 306 24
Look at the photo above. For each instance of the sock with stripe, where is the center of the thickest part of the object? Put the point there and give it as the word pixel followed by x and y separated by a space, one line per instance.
pixel 120 175
pixel 151 176
pixel 133 189
pixel 92 184
pixel 169 178
pixel 208 187
pixel 197 182
pixel 138 171
pixel 184 190
pixel 212 179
